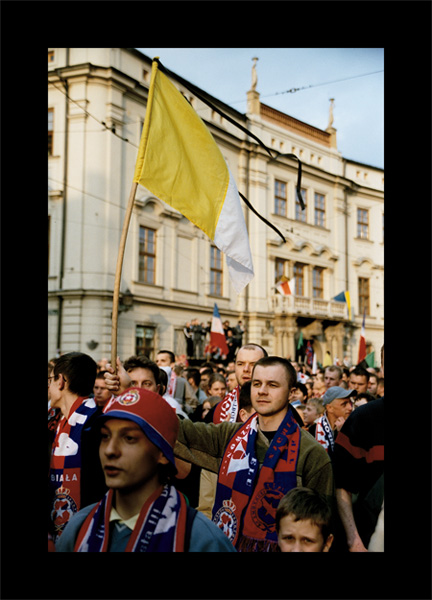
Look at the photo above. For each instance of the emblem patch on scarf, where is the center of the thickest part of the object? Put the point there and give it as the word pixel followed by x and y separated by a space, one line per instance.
pixel 63 508
pixel 226 519
pixel 65 464
pixel 264 505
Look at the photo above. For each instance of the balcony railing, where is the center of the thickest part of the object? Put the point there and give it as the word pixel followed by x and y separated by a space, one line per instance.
pixel 300 305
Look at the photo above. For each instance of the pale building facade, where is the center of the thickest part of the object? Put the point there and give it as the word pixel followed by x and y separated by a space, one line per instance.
pixel 171 272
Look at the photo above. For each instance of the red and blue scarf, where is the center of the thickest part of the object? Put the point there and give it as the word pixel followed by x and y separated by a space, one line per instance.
pixel 228 408
pixel 161 525
pixel 324 434
pixel 65 465
pixel 247 497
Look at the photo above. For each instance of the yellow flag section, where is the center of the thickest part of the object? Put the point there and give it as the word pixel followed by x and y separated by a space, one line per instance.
pixel 180 163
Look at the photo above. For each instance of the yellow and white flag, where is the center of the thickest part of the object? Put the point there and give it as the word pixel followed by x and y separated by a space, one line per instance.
pixel 180 163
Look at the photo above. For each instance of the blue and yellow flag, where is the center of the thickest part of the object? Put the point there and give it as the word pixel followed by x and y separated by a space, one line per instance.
pixel 345 297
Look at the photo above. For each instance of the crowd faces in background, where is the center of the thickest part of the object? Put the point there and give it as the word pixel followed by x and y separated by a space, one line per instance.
pixel 323 403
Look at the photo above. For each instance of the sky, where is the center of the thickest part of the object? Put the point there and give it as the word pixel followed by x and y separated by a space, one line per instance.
pixel 358 110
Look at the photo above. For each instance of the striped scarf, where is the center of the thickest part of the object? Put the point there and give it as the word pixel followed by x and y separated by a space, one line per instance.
pixel 228 408
pixel 65 465
pixel 161 525
pixel 324 434
pixel 247 497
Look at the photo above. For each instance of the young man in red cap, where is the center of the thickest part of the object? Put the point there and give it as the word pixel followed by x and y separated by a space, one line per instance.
pixel 142 511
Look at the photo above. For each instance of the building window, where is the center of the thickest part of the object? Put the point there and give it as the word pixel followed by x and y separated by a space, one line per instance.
pixel 299 270
pixel 319 210
pixel 144 341
pixel 300 214
pixel 280 198
pixel 362 223
pixel 363 287
pixel 50 130
pixel 281 268
pixel 147 255
pixel 215 271
pixel 317 282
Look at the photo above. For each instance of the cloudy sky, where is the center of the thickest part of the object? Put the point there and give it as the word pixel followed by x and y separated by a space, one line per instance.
pixel 354 77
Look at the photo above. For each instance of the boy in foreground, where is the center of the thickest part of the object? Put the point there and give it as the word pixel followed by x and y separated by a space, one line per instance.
pixel 142 511
pixel 303 521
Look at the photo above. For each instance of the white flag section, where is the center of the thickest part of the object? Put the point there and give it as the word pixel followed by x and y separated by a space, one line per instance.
pixel 231 237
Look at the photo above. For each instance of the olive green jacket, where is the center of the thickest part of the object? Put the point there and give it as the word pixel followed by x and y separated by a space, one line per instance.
pixel 204 444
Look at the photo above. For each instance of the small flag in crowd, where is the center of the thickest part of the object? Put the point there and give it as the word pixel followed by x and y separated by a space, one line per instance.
pixel 345 297
pixel 370 359
pixel 180 163
pixel 217 334
pixel 314 364
pixel 362 344
pixel 309 353
pixel 286 286
pixel 300 342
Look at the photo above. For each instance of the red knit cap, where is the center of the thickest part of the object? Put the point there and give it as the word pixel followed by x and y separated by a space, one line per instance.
pixel 151 412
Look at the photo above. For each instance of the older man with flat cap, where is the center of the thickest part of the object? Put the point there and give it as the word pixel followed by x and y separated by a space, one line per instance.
pixel 337 404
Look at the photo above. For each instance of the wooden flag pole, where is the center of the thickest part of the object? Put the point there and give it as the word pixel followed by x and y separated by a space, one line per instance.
pixel 118 276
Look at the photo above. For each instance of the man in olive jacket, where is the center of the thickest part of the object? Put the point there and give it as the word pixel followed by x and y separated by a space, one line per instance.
pixel 257 467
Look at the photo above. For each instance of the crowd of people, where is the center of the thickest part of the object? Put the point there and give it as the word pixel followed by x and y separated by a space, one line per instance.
pixel 198 343
pixel 250 454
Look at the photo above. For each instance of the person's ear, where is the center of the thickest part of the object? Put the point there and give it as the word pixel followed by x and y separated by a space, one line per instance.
pixel 243 415
pixel 62 382
pixel 163 459
pixel 328 543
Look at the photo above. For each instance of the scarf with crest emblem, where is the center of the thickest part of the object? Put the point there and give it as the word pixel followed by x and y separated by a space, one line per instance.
pixel 65 463
pixel 246 496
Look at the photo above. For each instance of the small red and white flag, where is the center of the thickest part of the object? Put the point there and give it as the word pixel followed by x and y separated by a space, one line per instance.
pixel 217 334
pixel 286 286
pixel 362 344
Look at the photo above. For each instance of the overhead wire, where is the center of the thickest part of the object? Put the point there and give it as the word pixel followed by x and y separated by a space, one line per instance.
pixel 307 87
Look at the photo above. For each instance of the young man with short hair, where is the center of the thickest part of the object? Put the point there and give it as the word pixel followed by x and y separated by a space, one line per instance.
pixel 142 511
pixel 332 376
pixel 358 380
pixel 100 391
pixel 257 461
pixel 228 408
pixel 75 475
